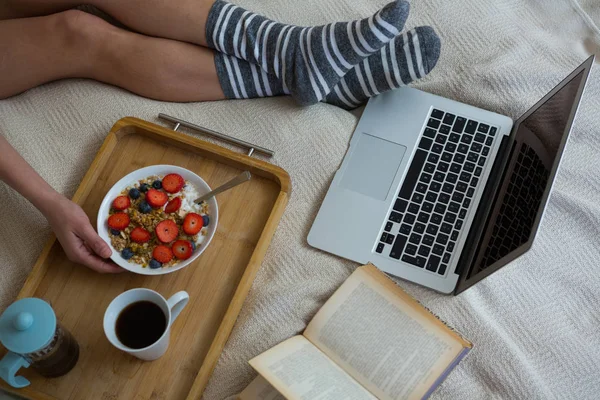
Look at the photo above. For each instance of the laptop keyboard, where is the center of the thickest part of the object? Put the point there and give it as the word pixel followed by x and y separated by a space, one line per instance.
pixel 435 197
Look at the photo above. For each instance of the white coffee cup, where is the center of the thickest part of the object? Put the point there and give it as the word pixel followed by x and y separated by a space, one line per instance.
pixel 171 308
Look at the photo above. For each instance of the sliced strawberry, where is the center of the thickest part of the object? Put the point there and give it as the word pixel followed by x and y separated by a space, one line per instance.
pixel 167 231
pixel 121 203
pixel 140 235
pixel 173 205
pixel 192 223
pixel 162 254
pixel 182 249
pixel 172 183
pixel 118 221
pixel 156 198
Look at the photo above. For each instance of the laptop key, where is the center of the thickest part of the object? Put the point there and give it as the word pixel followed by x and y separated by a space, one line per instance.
pixel 467 203
pixel 410 249
pixel 431 197
pixel 450 246
pixel 451 147
pixel 435 113
pixel 446 258
pixel 405 229
pixel 395 217
pixel 427 206
pixel 489 141
pixel 466 138
pixel 438 250
pixel 442 269
pixel 432 229
pixel 415 238
pixel 450 218
pixel 449 118
pixel 483 128
pixel 433 158
pixel 435 187
pixel 462 186
pixel 452 178
pixel 419 228
pixel 446 157
pixel 478 171
pixel 454 137
pixel 433 123
pixel 423 217
pixel 463 213
pixel 408 219
pixel 398 246
pixel 421 262
pixel 421 187
pixel 440 208
pixel 439 177
pixel 390 239
pixel 441 139
pixel 470 192
pixel 428 240
pixel 463 148
pixel 457 196
pixel 442 238
pixel 458 224
pixel 425 143
pixel 425 178
pixel 383 237
pixel 436 218
pixel 493 131
pixel 471 126
pixel 447 188
pixel 459 124
pixel 454 207
pixel 417 198
pixel 455 168
pixel 459 158
pixel 429 167
pixel 469 166
pixel 424 251
pixel 437 148
pixel 432 263
pixel 476 147
pixel 485 151
pixel 388 226
pixel 474 181
pixel 472 157
pixel 443 166
pixel 444 198
pixel 409 259
pixel 481 161
pixel 445 129
pixel 412 175
pixel 413 208
pixel 454 235
pixel 380 247
pixel 465 176
pixel 446 228
pixel 479 137
pixel 430 133
pixel 400 206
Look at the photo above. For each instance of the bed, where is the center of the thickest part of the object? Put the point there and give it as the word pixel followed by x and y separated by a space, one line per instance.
pixel 535 324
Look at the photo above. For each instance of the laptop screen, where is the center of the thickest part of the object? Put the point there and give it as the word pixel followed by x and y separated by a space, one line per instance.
pixel 535 152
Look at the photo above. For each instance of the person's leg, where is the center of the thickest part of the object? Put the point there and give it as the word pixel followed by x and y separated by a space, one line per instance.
pixel 75 44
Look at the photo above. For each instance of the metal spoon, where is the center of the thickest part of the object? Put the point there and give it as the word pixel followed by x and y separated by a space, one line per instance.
pixel 241 178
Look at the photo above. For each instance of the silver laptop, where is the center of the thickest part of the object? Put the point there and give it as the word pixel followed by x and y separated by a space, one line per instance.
pixel 441 193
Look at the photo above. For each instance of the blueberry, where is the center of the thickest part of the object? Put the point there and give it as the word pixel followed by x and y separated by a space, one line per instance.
pixel 127 253
pixel 115 232
pixel 157 184
pixel 134 193
pixel 144 187
pixel 145 207
pixel 205 220
pixel 193 246
pixel 155 264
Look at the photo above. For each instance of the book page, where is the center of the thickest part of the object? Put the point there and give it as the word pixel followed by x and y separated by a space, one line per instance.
pixel 260 389
pixel 300 371
pixel 383 338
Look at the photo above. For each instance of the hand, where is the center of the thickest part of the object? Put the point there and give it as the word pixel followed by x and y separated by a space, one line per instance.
pixel 77 236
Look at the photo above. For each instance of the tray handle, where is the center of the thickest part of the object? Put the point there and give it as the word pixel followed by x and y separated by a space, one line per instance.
pixel 251 147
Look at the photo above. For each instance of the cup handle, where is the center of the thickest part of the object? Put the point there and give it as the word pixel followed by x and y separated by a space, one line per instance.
pixel 176 304
pixel 9 366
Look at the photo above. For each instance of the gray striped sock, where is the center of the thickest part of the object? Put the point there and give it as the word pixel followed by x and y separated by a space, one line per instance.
pixel 410 56
pixel 308 61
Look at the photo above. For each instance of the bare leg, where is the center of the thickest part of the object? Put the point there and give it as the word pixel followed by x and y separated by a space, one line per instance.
pixel 75 44
pixel 182 20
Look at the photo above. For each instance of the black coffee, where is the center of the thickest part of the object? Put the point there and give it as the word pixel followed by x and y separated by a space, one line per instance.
pixel 140 324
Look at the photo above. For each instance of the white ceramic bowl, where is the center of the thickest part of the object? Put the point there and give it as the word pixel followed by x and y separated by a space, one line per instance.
pixel 134 177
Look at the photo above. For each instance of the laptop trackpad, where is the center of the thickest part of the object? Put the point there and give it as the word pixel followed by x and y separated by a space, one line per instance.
pixel 373 166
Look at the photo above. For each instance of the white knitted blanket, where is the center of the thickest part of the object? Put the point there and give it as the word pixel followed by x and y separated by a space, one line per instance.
pixel 535 324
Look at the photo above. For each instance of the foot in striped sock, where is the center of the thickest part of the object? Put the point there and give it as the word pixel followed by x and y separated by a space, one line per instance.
pixel 307 61
pixel 410 56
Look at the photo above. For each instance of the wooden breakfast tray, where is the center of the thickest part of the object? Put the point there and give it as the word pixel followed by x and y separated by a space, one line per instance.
pixel 217 282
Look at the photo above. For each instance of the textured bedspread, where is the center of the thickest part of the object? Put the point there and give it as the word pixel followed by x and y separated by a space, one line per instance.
pixel 535 324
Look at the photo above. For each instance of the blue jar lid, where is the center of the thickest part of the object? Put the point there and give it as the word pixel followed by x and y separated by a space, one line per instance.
pixel 27 325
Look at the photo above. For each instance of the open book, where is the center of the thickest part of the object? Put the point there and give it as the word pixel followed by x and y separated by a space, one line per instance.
pixel 370 340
